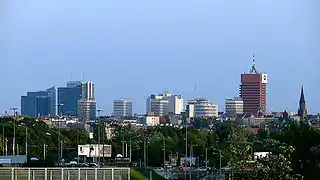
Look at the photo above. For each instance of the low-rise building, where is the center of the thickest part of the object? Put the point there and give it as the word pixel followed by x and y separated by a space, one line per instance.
pixel 234 107
pixel 202 108
pixel 152 120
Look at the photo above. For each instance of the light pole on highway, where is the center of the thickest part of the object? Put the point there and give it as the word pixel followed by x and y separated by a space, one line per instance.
pixel 186 155
pixel 59 105
pixel 207 155
pixel 99 129
pixel 164 153
pixel 14 129
pixel 220 154
pixel 3 141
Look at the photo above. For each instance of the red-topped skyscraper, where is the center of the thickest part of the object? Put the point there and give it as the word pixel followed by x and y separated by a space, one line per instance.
pixel 253 91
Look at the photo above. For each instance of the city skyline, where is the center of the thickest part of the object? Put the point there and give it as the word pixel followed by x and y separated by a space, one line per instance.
pixel 86 91
pixel 132 50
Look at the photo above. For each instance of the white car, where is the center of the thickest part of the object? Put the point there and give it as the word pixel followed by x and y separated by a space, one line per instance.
pixel 159 169
pixel 73 162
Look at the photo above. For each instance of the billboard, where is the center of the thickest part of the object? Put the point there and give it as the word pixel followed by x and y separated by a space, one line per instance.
pixel 95 150
pixel 173 158
pixel 187 160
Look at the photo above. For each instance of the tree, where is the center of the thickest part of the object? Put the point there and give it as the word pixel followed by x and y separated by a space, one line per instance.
pixel 277 164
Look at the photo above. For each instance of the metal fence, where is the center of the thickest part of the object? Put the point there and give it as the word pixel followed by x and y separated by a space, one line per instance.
pixel 64 173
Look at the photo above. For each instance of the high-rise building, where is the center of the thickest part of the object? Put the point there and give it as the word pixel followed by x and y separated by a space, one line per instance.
pixel 68 98
pixel 52 95
pixel 165 103
pixel 87 104
pixel 87 110
pixel 87 90
pixel 202 108
pixel 234 107
pixel 122 108
pixel 302 112
pixel 253 91
pixel 40 103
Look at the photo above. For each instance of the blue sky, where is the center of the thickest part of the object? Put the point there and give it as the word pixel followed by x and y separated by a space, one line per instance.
pixel 131 49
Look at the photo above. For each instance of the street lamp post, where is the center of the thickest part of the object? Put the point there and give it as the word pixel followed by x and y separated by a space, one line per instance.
pixel 6 146
pixel 130 147
pixel 44 152
pixel 99 129
pixel 3 141
pixel 26 142
pixel 59 105
pixel 164 153
pixel 144 154
pixel 206 158
pixel 191 157
pixel 207 155
pixel 14 130
pixel 220 154
pixel 185 162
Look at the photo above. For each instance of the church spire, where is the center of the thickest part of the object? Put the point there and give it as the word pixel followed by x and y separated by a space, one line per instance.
pixel 302 100
pixel 302 107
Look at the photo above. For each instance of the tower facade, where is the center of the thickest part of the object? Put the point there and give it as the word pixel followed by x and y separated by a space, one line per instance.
pixel 87 104
pixel 75 97
pixel 39 104
pixel 122 108
pixel 302 112
pixel 68 98
pixel 253 91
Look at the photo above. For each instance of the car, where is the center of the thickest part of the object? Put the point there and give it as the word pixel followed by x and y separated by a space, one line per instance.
pixel 160 169
pixel 73 162
pixel 202 169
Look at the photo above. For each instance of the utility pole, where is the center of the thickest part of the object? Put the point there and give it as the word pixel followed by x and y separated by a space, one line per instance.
pixel 186 155
pixel 59 149
pixel 191 154
pixel 14 129
pixel 145 153
pixel 130 147
pixel 6 146
pixel 164 153
pixel 206 158
pixel 220 164
pixel 123 145
pixel 220 154
pixel 3 141
pixel 61 153
pixel 99 131
pixel 44 152
pixel 78 159
pixel 27 141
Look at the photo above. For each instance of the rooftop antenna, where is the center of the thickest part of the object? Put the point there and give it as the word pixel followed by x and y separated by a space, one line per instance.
pixel 82 76
pixel 70 76
pixel 253 69
pixel 195 91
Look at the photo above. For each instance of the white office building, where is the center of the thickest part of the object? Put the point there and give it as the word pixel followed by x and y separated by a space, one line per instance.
pixel 202 108
pixel 152 120
pixel 165 103
pixel 122 108
pixel 88 90
pixel 234 107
